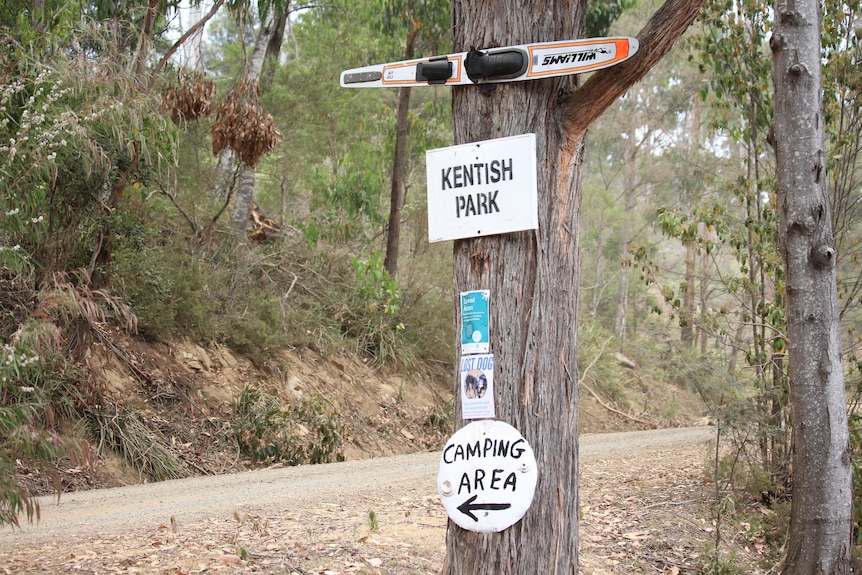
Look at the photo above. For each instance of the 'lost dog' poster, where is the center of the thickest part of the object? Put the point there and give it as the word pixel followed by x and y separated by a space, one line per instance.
pixel 477 387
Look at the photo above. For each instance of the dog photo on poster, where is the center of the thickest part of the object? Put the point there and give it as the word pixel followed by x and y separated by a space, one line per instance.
pixel 477 387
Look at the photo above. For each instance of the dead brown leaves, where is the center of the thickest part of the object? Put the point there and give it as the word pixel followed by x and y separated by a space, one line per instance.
pixel 242 124
pixel 191 98
pixel 325 538
pixel 646 517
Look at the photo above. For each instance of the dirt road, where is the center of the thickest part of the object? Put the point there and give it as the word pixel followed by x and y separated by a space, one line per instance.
pixel 371 516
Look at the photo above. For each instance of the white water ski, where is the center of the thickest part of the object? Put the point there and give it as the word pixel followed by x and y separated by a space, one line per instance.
pixel 509 64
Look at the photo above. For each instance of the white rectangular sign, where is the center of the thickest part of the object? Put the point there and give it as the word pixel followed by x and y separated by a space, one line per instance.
pixel 483 188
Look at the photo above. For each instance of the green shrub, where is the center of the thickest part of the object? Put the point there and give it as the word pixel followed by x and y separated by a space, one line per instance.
pixel 25 430
pixel 714 564
pixel 602 373
pixel 372 314
pixel 164 287
pixel 427 311
pixel 257 330
pixel 305 432
pixel 855 421
pixel 140 442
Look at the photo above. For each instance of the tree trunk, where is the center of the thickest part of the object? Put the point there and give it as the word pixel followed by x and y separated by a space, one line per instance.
pixel 100 262
pixel 193 48
pixel 396 194
pixel 273 51
pixel 689 303
pixel 225 175
pixel 140 60
pixel 622 313
pixel 630 167
pixel 686 314
pixel 37 15
pixel 263 48
pixel 239 217
pixel 704 288
pixel 533 276
pixel 820 519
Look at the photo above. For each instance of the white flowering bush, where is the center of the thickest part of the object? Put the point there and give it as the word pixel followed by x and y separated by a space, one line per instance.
pixel 75 133
pixel 19 437
pixel 29 140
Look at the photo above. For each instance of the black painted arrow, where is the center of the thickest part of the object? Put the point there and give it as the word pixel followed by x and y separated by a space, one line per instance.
pixel 468 507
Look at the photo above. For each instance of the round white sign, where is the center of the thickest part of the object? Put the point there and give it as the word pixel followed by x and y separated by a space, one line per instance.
pixel 487 476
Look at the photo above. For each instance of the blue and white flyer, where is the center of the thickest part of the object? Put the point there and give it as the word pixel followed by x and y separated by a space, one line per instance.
pixel 474 321
pixel 477 387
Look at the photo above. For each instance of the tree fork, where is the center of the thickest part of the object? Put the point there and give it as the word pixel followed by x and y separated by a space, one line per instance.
pixel 533 276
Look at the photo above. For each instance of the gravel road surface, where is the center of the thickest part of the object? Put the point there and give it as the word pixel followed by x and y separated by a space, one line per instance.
pixel 297 493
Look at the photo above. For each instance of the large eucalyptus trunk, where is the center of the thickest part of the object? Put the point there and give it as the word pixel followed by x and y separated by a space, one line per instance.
pixel 533 276
pixel 821 509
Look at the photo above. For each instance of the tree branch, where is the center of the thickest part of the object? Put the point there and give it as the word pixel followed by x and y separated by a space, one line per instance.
pixel 197 26
pixel 584 105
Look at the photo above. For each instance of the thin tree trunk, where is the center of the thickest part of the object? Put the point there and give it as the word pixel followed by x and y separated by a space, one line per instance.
pixel 686 315
pixel 192 50
pixel 100 262
pixel 630 171
pixel 37 15
pixel 239 217
pixel 621 317
pixel 598 289
pixel 396 194
pixel 225 174
pixel 264 44
pixel 704 288
pixel 630 167
pixel 144 41
pixel 273 52
pixel 689 301
pixel 821 508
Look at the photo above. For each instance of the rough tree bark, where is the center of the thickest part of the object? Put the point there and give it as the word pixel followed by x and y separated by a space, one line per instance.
pixel 821 509
pixel 533 276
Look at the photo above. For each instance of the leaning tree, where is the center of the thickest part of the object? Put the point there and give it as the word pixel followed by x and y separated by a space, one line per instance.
pixel 533 276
